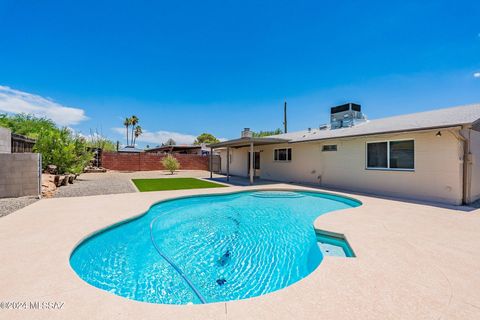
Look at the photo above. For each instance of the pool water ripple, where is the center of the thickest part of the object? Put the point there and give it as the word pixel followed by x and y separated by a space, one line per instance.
pixel 230 247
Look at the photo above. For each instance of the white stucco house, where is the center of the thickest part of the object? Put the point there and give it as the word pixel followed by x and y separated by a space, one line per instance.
pixel 433 155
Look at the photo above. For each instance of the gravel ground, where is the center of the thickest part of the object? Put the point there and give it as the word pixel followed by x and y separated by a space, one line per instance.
pixel 91 184
pixel 9 205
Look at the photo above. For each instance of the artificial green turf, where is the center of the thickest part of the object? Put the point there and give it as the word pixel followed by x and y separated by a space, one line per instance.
pixel 173 184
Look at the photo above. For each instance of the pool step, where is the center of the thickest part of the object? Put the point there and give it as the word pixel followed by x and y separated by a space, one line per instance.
pixel 334 244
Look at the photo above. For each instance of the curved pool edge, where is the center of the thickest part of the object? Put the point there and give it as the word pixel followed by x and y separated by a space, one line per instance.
pixel 209 194
pixel 141 214
pixel 390 275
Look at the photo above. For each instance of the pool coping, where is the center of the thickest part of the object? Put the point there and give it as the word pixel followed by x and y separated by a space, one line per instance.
pixel 139 215
pixel 375 285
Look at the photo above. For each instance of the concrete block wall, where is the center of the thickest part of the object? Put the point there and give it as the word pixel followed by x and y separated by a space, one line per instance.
pixel 5 140
pixel 151 161
pixel 19 174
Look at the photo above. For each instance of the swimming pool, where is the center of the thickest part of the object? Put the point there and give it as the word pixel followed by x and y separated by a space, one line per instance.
pixel 207 249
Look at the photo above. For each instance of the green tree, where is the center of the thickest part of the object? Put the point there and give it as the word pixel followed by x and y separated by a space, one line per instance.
pixel 133 122
pixel 63 149
pixel 170 163
pixel 170 142
pixel 127 122
pixel 206 138
pixel 59 147
pixel 267 133
pixel 137 133
pixel 97 140
pixel 27 125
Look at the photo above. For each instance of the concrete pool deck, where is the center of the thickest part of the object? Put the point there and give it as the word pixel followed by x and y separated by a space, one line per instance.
pixel 414 261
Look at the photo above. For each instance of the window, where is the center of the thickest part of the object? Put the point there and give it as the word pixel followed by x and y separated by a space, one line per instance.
pixel 329 147
pixel 401 154
pixel 377 155
pixel 282 154
pixel 391 155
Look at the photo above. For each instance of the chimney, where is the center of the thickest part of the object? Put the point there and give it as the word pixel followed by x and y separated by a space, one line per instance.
pixel 246 133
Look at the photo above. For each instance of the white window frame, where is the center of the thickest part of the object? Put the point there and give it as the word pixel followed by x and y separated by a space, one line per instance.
pixel 291 152
pixel 388 156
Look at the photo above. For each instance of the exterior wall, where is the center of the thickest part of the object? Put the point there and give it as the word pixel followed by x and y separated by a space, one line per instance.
pixel 475 178
pixel 238 161
pixel 437 176
pixel 19 174
pixel 150 161
pixel 5 140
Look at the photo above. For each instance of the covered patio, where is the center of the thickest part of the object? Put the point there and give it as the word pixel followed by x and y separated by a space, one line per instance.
pixel 242 143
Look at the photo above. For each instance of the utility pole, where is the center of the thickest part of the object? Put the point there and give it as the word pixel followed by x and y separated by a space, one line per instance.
pixel 285 116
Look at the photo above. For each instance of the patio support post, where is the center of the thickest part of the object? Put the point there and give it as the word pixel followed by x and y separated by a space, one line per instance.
pixel 228 163
pixel 211 162
pixel 251 162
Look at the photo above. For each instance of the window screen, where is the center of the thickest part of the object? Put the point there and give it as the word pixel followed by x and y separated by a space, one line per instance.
pixel 391 154
pixel 377 155
pixel 401 154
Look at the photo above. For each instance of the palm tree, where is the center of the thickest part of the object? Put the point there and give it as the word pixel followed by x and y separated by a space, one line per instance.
pixel 138 132
pixel 127 123
pixel 133 121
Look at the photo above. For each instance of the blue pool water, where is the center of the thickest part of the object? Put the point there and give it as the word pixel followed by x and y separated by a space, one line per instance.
pixel 209 248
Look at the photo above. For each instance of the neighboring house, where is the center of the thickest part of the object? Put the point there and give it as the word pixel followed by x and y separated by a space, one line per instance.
pixel 130 149
pixel 181 149
pixel 175 149
pixel 20 172
pixel 22 144
pixel 433 155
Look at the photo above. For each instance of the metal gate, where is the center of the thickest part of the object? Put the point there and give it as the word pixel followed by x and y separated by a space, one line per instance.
pixel 216 164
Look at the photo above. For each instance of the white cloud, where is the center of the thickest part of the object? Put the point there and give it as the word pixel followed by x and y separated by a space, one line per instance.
pixel 476 75
pixel 15 101
pixel 159 137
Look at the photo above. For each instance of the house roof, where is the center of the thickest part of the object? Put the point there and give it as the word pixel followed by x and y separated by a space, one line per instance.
pixel 130 149
pixel 243 142
pixel 436 119
pixel 175 147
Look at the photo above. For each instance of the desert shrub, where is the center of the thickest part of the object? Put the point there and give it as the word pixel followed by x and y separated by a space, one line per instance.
pixel 58 146
pixel 62 148
pixel 98 140
pixel 26 124
pixel 170 163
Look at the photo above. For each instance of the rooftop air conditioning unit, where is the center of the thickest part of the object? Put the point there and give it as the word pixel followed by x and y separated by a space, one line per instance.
pixel 346 115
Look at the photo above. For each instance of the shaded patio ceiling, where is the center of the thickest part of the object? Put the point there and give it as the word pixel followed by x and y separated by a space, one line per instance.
pixel 245 142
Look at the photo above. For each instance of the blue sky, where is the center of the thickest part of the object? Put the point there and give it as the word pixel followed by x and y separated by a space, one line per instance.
pixel 217 66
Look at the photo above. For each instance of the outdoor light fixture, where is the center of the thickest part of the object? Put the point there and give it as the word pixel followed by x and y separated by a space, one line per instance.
pixel 439 134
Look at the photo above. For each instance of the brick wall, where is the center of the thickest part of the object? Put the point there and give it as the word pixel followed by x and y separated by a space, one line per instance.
pixel 150 161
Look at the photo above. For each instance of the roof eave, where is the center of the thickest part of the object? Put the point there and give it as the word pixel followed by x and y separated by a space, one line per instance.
pixel 383 132
pixel 242 142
